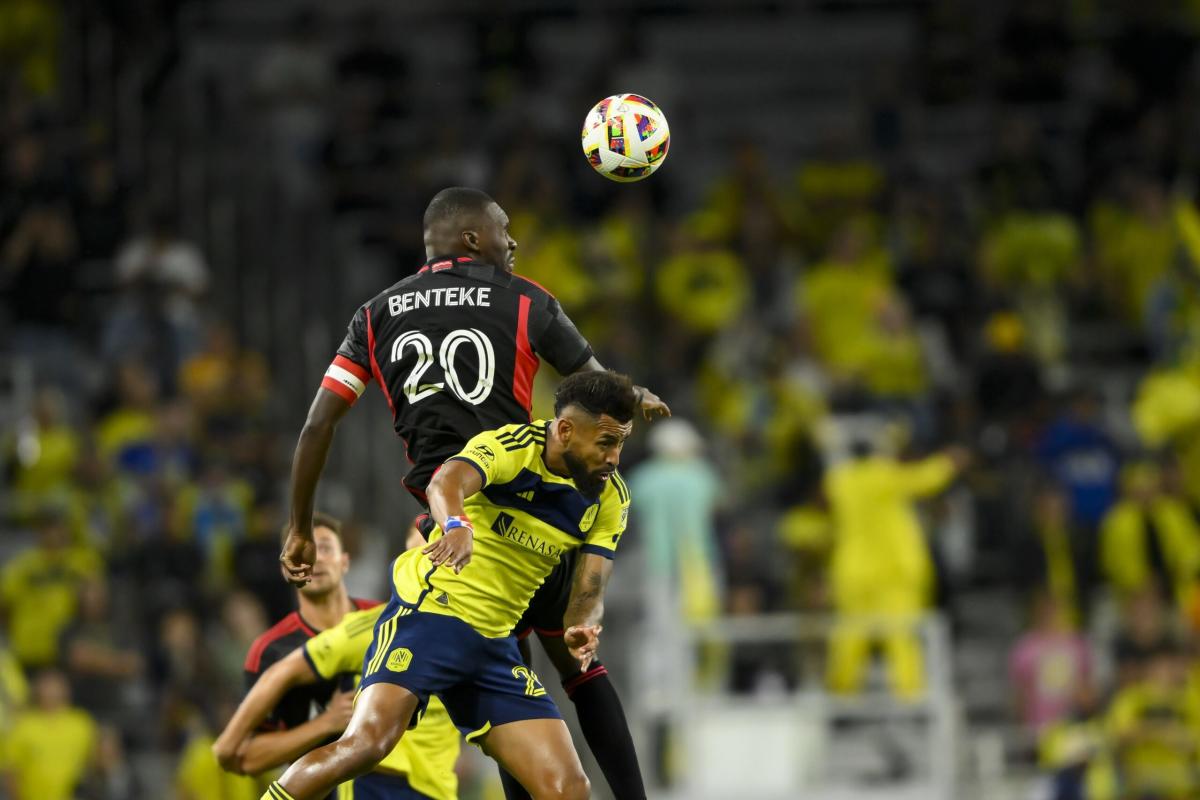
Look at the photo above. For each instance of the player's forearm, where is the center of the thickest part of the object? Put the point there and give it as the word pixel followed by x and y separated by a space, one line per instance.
pixel 447 492
pixel 263 696
pixel 267 750
pixel 586 605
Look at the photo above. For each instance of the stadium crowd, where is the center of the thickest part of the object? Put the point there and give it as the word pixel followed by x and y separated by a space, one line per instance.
pixel 847 334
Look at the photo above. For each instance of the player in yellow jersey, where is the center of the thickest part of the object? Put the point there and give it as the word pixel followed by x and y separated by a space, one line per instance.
pixel 532 492
pixel 421 767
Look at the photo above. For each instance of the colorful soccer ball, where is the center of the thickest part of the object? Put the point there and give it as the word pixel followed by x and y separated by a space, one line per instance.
pixel 625 137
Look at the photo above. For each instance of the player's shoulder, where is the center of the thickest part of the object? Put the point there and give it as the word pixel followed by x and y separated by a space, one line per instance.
pixel 277 641
pixel 531 288
pixel 357 622
pixel 519 436
pixel 616 491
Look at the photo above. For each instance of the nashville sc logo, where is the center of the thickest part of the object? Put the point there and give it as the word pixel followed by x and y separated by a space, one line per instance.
pixel 533 686
pixel 506 525
pixel 399 659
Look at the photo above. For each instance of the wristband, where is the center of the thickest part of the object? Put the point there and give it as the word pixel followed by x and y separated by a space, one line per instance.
pixel 457 522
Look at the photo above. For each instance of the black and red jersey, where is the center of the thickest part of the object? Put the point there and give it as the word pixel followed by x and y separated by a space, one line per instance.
pixel 300 703
pixel 455 348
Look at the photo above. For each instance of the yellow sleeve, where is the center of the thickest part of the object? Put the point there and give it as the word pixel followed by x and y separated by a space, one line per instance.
pixel 924 477
pixel 500 454
pixel 341 648
pixel 611 519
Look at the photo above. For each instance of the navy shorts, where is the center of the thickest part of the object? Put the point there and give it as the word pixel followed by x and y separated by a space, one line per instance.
pixel 482 682
pixel 382 786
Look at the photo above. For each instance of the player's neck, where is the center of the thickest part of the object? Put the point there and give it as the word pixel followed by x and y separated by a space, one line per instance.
pixel 327 610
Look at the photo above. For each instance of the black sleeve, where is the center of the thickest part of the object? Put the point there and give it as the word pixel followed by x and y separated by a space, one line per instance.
pixel 556 339
pixel 273 721
pixel 354 346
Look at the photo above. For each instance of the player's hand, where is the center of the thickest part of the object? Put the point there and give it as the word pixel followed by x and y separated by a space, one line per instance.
pixel 338 711
pixel 452 550
pixel 583 641
pixel 299 554
pixel 226 748
pixel 652 405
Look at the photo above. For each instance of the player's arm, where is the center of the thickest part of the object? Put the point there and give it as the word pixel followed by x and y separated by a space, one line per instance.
pixel 452 484
pixel 239 749
pixel 344 382
pixel 585 609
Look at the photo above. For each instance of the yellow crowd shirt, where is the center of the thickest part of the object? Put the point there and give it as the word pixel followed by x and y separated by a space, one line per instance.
pixel 525 518
pixel 426 754
pixel 49 752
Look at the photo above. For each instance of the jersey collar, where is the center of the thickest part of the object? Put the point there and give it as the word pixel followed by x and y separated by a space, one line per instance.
pixel 439 263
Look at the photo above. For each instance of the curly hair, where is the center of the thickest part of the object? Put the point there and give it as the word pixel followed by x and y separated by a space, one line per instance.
pixel 598 393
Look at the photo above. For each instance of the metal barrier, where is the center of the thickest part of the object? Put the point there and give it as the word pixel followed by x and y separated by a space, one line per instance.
pixel 779 743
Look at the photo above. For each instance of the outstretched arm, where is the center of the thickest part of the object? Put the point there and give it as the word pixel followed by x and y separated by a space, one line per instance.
pixel 585 609
pixel 239 749
pixel 649 402
pixel 299 551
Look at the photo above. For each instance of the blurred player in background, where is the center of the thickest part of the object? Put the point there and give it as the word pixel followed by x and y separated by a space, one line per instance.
pixel 421 767
pixel 291 728
pixel 544 488
pixel 455 349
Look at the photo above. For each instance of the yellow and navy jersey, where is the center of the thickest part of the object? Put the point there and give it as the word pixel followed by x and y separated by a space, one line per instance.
pixel 426 754
pixel 525 518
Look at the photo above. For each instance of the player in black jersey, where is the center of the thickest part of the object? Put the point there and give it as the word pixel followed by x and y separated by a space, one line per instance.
pixel 455 348
pixel 307 716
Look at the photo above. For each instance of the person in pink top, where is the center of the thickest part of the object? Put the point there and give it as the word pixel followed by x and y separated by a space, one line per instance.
pixel 1050 667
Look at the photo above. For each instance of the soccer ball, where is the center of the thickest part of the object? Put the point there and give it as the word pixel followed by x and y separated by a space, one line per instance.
pixel 625 137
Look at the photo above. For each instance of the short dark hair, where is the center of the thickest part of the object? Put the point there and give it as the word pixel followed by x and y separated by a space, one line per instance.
pixel 319 520
pixel 453 203
pixel 605 392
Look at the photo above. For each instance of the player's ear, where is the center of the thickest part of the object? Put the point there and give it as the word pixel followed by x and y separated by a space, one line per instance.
pixel 565 429
pixel 471 240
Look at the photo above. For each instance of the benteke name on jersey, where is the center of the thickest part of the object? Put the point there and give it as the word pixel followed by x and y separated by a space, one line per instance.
pixel 477 296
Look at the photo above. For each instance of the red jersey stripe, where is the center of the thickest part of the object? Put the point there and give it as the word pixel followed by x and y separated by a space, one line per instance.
pixel 527 363
pixel 354 369
pixel 288 624
pixel 375 364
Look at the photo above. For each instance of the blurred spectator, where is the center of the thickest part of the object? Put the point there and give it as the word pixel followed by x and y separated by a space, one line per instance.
pixel 29 34
pixel 1145 630
pixel 1036 46
pixel 163 279
pixel 242 620
pixel 881 572
pixel 1079 453
pixel 291 84
pixel 125 435
pixel 371 64
pixel 103 658
pixel 1008 381
pixel 1054 558
pixel 198 775
pixel 52 746
pixel 99 204
pixel 215 511
pixel 680 491
pixel 1050 667
pixel 39 589
pixel 44 451
pixel 1152 725
pixel 1150 539
pixel 14 694
pixel 223 382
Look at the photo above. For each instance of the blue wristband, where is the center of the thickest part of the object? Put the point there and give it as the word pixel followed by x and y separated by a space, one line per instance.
pixel 457 522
